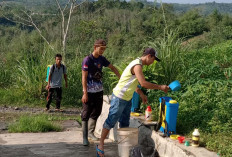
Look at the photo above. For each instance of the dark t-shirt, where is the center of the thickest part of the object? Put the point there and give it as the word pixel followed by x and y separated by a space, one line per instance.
pixel 94 67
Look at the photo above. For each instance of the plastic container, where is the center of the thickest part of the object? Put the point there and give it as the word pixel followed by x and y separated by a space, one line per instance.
pixel 181 139
pixel 135 114
pixel 187 143
pixel 48 70
pixel 175 85
pixel 195 138
pixel 148 114
pixel 171 111
pixel 174 137
pixel 127 139
pixel 135 101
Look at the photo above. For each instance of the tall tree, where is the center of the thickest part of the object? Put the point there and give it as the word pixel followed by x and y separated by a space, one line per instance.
pixel 26 17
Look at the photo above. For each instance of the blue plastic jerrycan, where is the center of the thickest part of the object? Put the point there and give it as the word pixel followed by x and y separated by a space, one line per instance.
pixel 170 115
pixel 135 101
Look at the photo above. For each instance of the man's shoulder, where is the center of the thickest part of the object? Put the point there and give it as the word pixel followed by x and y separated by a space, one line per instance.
pixel 87 59
pixel 103 57
pixel 136 61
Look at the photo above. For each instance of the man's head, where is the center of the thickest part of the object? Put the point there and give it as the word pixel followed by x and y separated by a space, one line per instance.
pixel 58 58
pixel 99 46
pixel 151 55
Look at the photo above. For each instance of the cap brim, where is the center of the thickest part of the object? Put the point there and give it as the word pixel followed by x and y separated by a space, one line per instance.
pixel 156 58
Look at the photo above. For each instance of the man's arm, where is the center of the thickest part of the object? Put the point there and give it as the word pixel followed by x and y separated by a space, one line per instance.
pixel 49 80
pixel 84 85
pixel 66 80
pixel 115 70
pixel 141 94
pixel 137 70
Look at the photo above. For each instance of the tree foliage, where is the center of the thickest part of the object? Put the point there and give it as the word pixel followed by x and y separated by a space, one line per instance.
pixel 194 48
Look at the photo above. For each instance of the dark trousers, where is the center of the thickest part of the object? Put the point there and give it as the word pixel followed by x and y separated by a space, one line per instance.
pixel 92 109
pixel 58 97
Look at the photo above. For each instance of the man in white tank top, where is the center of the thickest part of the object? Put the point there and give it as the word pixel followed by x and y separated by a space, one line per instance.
pixel 123 92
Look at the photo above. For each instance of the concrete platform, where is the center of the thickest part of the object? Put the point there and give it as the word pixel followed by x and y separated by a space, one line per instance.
pixel 69 142
pixel 52 144
pixel 165 146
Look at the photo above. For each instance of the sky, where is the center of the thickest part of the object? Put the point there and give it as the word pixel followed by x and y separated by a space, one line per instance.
pixel 193 1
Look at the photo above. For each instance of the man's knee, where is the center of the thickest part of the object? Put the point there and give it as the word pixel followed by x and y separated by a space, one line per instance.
pixel 124 125
pixel 84 115
pixel 58 99
pixel 107 126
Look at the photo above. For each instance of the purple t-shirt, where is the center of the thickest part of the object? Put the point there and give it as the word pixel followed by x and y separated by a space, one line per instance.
pixel 94 68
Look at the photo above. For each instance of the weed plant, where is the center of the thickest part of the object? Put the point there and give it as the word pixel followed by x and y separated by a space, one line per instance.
pixel 34 123
pixel 205 97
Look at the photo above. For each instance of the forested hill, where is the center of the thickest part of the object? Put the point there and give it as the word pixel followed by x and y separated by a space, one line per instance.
pixel 205 8
pixel 194 49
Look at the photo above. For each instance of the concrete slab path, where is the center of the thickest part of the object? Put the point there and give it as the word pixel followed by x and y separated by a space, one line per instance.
pixel 52 144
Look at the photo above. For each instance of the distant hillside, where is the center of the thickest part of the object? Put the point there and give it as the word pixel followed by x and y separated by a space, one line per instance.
pixel 34 3
pixel 41 5
pixel 205 8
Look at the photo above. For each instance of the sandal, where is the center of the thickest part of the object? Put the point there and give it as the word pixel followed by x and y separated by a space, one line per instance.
pixel 59 110
pixel 46 109
pixel 99 150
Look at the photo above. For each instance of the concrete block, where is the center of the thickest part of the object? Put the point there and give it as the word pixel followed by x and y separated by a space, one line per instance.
pixel 134 123
pixel 165 146
pixel 172 148
pixel 101 119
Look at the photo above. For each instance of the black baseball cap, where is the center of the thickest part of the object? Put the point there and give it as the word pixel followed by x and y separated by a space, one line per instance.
pixel 152 52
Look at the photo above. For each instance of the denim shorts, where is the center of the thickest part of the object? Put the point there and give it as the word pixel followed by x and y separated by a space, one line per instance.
pixel 119 111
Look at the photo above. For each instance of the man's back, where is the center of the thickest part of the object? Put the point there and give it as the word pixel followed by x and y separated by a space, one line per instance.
pixel 128 82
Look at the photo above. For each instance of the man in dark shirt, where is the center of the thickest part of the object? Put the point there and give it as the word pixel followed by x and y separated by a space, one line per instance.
pixel 92 98
pixel 55 82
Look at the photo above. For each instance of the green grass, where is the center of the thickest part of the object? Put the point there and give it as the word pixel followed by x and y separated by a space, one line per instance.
pixel 16 97
pixel 218 142
pixel 37 122
pixel 34 123
pixel 61 117
pixel 205 97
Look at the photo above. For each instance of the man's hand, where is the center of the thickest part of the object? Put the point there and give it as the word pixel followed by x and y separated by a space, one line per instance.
pixel 47 87
pixel 164 88
pixel 144 98
pixel 84 98
pixel 66 85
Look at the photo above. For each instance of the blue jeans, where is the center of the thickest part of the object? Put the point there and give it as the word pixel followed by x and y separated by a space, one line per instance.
pixel 119 111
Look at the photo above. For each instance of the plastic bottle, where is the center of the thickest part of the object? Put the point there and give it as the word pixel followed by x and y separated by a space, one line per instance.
pixel 195 138
pixel 148 114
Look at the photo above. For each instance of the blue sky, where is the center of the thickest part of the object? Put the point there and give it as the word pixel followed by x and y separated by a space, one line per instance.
pixel 193 1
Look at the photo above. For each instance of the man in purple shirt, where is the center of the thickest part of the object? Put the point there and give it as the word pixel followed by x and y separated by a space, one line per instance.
pixel 92 98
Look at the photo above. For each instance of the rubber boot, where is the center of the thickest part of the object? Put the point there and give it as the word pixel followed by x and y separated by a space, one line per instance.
pixel 85 133
pixel 91 126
